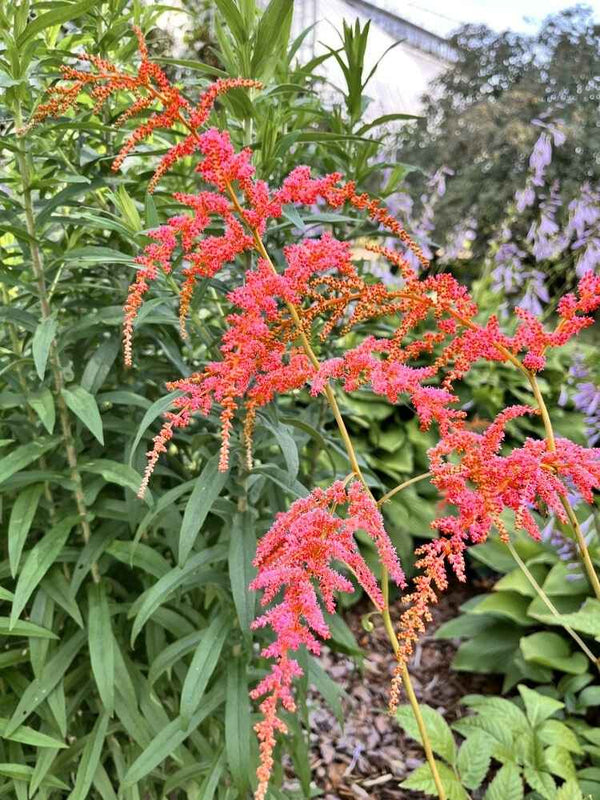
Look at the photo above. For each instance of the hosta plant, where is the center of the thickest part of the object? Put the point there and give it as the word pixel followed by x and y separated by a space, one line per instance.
pixel 295 326
pixel 525 739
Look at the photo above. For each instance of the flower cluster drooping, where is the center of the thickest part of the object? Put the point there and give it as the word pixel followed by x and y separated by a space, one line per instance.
pixel 480 483
pixel 297 555
pixel 271 346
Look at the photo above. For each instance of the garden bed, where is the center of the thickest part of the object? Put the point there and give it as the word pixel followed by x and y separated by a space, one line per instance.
pixel 371 756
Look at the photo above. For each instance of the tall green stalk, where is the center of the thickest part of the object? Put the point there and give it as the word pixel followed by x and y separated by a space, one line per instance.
pixel 37 265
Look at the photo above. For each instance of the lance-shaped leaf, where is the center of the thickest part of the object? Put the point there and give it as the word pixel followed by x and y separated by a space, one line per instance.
pixel 38 562
pixel 100 643
pixel 202 667
pixel 84 406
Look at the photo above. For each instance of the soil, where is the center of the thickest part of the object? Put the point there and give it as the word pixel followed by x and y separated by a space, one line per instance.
pixel 371 756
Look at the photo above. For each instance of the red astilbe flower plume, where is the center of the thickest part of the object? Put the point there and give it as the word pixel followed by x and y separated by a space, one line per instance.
pixel 480 483
pixel 294 559
pixel 147 86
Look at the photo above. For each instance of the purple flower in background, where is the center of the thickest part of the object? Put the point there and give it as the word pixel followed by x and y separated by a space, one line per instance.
pixel 584 211
pixel 590 258
pixel 540 158
pixel 536 292
pixel 541 155
pixel 437 183
pixel 545 236
pixel 525 197
pixel 459 239
pixel 508 274
pixel 587 400
pixel 565 547
pixel 584 225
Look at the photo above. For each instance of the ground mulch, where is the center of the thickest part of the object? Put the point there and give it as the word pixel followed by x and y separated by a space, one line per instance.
pixel 371 756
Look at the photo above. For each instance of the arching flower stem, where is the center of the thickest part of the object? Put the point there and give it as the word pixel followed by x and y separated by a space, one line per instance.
pixel 550 605
pixel 402 486
pixel 550 439
pixel 343 430
pixel 408 687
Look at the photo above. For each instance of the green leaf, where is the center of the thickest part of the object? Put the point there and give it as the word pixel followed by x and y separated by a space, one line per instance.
pixel 281 478
pixel 173 653
pixel 205 492
pixel 516 581
pixel 41 344
pixel 242 549
pixel 38 561
pixel 58 588
pixel 541 782
pixel 171 736
pixel 151 217
pixel 156 409
pixel 474 758
pixel 510 605
pixel 489 651
pixel 233 19
pixel 463 626
pixel 385 119
pixel 507 785
pixel 327 687
pixel 139 555
pixel 440 735
pixel 20 772
pixel 100 644
pixel 114 472
pixel 586 619
pixel 569 791
pixel 57 16
pixel 99 366
pixel 553 650
pixel 272 27
pixel 23 456
pixel 560 582
pixel 27 735
pixel 158 594
pixel 90 758
pixel 101 255
pixel 504 711
pixel 286 443
pixel 24 628
pixel 238 728
pixel 42 403
pixel 84 406
pixel 538 706
pixel 203 665
pixel 421 780
pixel 39 689
pixel 21 517
pixel 590 696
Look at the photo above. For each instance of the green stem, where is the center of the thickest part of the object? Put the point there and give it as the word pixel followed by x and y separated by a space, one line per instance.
pixel 402 486
pixel 16 346
pixel 550 605
pixel 408 687
pixel 343 430
pixel 55 365
pixel 583 548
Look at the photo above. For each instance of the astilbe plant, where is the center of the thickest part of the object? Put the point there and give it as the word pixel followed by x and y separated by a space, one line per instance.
pixel 270 347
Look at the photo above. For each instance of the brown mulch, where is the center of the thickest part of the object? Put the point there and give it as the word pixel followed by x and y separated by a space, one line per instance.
pixel 371 756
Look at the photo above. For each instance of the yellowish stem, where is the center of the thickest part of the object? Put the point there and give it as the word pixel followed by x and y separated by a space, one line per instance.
pixel 583 548
pixel 550 605
pixel 329 394
pixel 408 687
pixel 402 486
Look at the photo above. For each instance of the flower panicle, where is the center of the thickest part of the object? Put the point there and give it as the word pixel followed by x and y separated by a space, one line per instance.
pixel 475 478
pixel 294 558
